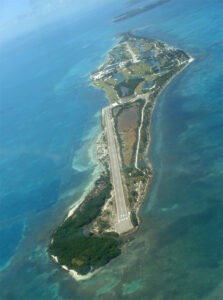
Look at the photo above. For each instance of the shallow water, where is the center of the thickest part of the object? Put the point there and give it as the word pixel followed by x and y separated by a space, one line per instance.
pixel 119 77
pixel 147 85
pixel 46 128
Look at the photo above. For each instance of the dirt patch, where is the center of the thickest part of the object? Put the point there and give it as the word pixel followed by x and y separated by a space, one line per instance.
pixel 127 125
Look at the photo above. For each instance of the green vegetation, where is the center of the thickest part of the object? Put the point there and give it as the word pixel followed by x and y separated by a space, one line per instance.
pixel 170 62
pixel 145 131
pixel 134 219
pixel 127 87
pixel 74 243
pixel 116 113
pixel 78 250
pixel 141 103
pixel 132 177
pixel 109 90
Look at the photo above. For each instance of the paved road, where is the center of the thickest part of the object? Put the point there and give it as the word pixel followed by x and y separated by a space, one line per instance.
pixel 123 217
pixel 133 55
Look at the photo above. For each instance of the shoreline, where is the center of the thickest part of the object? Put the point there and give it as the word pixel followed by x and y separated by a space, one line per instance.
pixel 98 164
pixel 146 160
pixel 97 171
pixel 73 273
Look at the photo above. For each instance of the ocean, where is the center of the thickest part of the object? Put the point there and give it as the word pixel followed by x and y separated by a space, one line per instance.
pixel 49 124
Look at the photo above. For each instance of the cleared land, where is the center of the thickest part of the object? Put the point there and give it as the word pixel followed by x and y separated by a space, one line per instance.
pixel 123 216
pixel 134 74
pixel 127 127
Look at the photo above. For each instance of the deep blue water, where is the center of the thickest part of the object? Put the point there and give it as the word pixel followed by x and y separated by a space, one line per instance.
pixel 50 117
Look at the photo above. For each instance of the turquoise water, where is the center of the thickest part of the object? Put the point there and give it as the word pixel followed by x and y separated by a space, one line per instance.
pixel 49 121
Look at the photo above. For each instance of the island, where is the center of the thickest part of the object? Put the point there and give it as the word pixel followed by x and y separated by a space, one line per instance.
pixel 139 10
pixel 134 74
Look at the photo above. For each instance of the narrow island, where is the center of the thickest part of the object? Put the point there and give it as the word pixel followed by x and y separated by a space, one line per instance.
pixel 139 10
pixel 134 74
